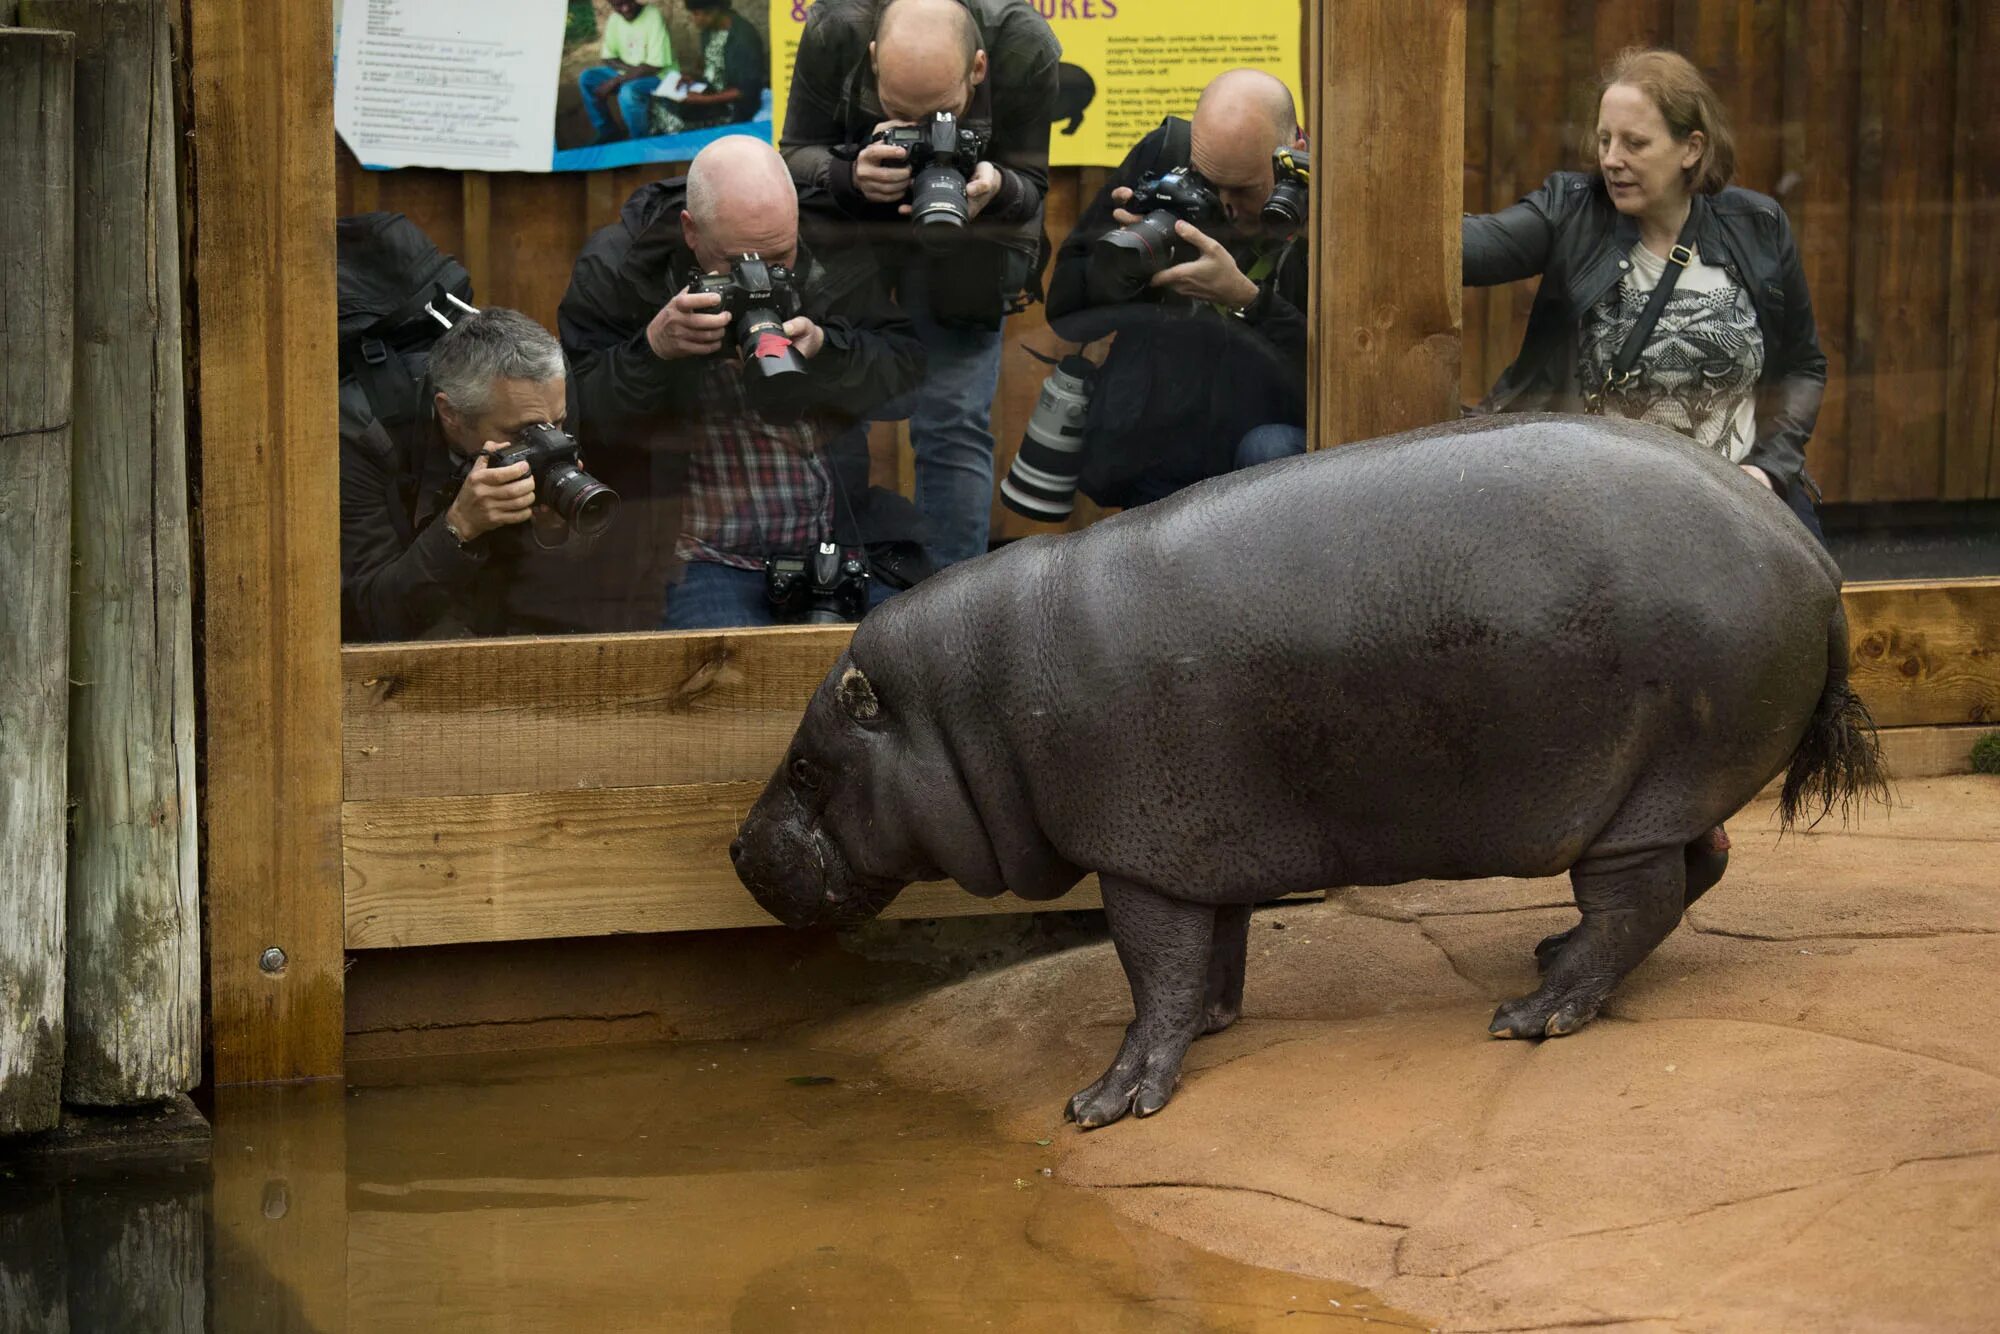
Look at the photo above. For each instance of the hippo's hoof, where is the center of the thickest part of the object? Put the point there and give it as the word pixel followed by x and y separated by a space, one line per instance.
pixel 1118 1092
pixel 1544 1016
pixel 1545 953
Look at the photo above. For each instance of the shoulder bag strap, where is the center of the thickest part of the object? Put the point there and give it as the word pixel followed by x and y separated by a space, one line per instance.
pixel 1624 367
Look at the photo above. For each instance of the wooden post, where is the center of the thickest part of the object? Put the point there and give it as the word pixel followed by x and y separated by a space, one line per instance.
pixel 1388 166
pixel 36 273
pixel 134 978
pixel 270 501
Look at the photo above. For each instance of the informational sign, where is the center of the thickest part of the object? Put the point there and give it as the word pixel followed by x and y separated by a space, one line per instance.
pixel 1126 64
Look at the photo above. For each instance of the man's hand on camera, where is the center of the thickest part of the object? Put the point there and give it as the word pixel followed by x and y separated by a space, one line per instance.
pixel 491 498
pixel 1211 275
pixel 1123 217
pixel 980 187
pixel 807 338
pixel 688 326
pixel 882 173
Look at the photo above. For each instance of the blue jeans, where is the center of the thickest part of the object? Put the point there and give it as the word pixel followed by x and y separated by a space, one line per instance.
pixel 950 417
pixel 712 596
pixel 635 99
pixel 1260 444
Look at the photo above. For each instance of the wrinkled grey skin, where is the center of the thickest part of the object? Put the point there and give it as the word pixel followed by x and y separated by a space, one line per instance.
pixel 1506 648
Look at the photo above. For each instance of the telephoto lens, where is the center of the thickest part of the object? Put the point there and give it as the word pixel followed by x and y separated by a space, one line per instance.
pixel 1042 483
pixel 766 351
pixel 938 204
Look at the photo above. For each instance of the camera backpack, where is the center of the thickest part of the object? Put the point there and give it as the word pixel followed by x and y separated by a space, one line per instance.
pixel 398 293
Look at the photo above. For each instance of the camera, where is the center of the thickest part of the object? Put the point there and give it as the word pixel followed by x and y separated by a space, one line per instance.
pixel 942 154
pixel 758 298
pixel 1123 262
pixel 1041 484
pixel 550 453
pixel 1286 208
pixel 824 587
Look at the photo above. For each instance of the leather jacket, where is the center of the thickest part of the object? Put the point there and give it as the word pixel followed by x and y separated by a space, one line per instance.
pixel 1571 234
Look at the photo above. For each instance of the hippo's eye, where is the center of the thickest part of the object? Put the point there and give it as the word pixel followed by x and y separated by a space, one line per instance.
pixel 802 773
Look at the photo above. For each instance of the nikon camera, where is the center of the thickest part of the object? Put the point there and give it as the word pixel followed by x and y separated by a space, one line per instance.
pixel 758 298
pixel 560 482
pixel 942 154
pixel 1285 210
pixel 1123 262
pixel 826 586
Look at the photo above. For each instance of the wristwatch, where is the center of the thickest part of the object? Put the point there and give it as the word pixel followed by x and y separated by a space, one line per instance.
pixel 464 543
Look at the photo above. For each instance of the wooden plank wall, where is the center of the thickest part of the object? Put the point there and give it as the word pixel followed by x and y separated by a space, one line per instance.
pixel 518 234
pixel 1876 124
pixel 511 789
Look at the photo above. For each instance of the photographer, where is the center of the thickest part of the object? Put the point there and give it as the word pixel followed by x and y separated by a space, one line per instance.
pixel 866 68
pixel 1207 372
pixel 680 414
pixel 433 542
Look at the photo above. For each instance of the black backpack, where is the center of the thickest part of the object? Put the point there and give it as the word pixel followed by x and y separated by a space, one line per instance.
pixel 398 293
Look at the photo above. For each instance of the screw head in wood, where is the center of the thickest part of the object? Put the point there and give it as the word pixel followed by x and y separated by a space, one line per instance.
pixel 272 960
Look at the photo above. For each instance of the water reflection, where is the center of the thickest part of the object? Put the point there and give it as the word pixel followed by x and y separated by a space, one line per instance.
pixel 639 1188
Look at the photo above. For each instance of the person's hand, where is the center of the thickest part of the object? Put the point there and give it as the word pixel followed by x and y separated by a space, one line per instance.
pixel 882 173
pixel 608 89
pixel 690 325
pixel 1124 216
pixel 491 497
pixel 1760 475
pixel 807 338
pixel 980 187
pixel 1211 275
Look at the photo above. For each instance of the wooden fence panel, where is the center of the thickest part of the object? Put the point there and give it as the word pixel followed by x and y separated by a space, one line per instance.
pixel 1972 409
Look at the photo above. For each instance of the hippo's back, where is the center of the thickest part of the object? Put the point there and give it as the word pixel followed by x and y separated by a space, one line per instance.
pixel 1456 652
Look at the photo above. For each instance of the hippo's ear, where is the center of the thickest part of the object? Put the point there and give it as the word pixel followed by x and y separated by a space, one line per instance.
pixel 857 697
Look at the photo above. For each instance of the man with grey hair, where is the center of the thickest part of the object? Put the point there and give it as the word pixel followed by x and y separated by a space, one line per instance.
pixel 728 464
pixel 433 541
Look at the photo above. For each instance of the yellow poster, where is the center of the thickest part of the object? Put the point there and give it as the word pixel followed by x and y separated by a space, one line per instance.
pixel 1126 64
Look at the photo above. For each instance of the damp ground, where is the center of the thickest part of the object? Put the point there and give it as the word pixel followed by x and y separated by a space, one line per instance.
pixel 727 1186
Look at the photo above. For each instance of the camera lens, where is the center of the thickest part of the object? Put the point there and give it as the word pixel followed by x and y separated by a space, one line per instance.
pixel 1041 484
pixel 1124 262
pixel 1287 205
pixel 766 351
pixel 938 203
pixel 586 503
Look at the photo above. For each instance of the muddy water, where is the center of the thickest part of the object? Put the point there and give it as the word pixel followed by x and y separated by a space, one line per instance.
pixel 693 1186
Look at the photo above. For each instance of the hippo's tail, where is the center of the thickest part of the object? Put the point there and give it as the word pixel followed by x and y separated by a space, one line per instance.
pixel 1838 760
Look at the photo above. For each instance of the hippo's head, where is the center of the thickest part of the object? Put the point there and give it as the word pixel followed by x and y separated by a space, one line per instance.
pixel 826 844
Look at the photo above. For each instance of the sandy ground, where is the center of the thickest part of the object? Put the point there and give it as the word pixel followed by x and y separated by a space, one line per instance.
pixel 1788 1119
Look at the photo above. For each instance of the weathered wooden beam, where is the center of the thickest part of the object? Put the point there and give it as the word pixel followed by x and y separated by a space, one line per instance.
pixel 270 482
pixel 36 276
pixel 134 975
pixel 1389 153
pixel 1926 653
pixel 438 870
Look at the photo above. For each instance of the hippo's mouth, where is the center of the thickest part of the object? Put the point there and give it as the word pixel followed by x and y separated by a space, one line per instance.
pixel 815 885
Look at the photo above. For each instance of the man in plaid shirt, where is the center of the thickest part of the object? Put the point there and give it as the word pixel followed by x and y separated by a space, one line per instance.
pixel 666 411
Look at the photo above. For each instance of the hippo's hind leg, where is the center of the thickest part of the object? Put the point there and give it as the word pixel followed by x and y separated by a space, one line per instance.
pixel 1223 1003
pixel 1630 902
pixel 1165 945
pixel 1706 859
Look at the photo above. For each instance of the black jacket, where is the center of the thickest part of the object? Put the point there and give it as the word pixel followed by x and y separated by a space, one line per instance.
pixel 1182 383
pixel 402 576
pixel 1570 233
pixel 630 409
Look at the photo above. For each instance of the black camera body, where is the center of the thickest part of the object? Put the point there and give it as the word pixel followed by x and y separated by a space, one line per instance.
pixel 826 586
pixel 758 298
pixel 942 154
pixel 1123 262
pixel 1286 208
pixel 560 481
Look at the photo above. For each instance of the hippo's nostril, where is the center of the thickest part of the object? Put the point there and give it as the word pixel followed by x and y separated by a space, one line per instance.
pixel 736 850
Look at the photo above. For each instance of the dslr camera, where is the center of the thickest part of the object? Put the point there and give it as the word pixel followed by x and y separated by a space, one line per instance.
pixel 824 587
pixel 1285 210
pixel 942 154
pixel 560 483
pixel 758 298
pixel 1123 262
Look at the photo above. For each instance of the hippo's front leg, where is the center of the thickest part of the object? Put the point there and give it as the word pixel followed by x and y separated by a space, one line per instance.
pixel 1165 946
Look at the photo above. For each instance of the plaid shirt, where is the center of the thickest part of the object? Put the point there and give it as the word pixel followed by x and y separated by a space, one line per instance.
pixel 756 488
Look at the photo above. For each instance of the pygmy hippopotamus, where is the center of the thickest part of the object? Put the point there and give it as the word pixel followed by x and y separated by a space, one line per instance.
pixel 1511 647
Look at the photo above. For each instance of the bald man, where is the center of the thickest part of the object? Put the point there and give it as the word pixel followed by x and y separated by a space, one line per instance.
pixel 1233 312
pixel 729 467
pixel 863 67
